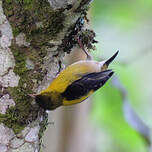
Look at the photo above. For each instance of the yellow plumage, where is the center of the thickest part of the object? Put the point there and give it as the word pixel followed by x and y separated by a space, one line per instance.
pixel 75 83
pixel 72 73
pixel 67 103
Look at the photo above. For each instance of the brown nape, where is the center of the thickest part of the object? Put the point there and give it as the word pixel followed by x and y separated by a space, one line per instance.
pixel 46 103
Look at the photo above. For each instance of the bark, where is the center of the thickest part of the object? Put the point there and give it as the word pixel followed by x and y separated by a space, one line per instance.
pixel 34 36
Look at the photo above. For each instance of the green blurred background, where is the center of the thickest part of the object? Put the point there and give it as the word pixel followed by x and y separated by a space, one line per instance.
pixel 119 117
pixel 124 25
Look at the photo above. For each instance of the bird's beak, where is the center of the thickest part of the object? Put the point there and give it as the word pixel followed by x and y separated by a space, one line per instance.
pixel 107 62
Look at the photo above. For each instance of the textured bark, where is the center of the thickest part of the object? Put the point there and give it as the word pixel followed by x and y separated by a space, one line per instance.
pixel 34 36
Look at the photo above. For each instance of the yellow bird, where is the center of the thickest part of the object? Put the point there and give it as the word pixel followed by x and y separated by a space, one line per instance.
pixel 75 83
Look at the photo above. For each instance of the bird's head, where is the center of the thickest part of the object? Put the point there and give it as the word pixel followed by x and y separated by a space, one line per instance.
pixel 45 101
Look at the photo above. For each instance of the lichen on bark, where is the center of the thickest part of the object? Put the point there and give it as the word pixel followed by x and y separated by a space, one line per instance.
pixel 36 18
pixel 24 17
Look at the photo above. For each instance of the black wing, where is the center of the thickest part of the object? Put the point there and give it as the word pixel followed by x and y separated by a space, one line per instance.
pixel 83 86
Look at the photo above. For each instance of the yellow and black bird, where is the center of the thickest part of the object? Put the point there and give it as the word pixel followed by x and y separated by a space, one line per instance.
pixel 75 83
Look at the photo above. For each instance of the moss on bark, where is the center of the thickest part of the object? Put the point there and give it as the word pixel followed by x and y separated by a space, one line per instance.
pixel 35 18
pixel 40 23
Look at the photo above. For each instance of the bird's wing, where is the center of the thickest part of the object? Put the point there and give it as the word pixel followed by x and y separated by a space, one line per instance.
pixel 72 73
pixel 88 83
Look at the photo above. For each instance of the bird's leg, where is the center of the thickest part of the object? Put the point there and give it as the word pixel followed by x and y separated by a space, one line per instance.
pixel 89 57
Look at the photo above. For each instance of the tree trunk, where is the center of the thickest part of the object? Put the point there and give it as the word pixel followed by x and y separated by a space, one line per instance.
pixel 34 36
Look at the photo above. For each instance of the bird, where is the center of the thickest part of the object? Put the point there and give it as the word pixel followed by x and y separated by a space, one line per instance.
pixel 75 83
